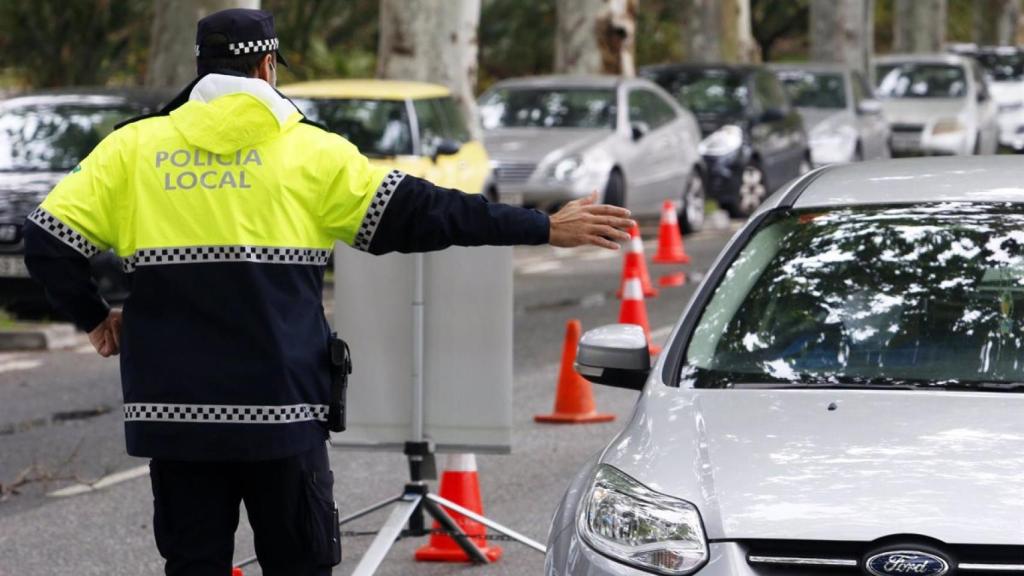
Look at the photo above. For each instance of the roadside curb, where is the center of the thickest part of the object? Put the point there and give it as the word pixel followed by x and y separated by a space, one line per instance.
pixel 24 337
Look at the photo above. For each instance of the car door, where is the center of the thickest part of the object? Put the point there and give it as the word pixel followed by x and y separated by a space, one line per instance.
pixel 872 128
pixel 772 130
pixel 652 147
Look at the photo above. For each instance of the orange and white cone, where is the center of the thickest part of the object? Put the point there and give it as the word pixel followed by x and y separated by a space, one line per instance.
pixel 574 399
pixel 460 483
pixel 634 311
pixel 670 239
pixel 237 572
pixel 634 260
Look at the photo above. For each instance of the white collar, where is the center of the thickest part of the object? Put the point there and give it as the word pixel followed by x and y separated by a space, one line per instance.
pixel 213 86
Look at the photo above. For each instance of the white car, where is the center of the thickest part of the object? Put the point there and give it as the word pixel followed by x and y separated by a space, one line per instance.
pixel 936 104
pixel 842 395
pixel 1005 67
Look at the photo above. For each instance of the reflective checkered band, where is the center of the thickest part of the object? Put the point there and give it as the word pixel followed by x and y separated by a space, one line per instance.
pixel 205 413
pixel 206 254
pixel 376 210
pixel 253 47
pixel 63 232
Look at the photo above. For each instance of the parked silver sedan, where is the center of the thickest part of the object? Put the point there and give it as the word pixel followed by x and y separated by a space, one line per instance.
pixel 844 122
pixel 552 139
pixel 843 394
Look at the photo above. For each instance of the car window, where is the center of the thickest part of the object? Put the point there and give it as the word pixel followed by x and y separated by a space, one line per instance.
pixel 54 137
pixel 918 296
pixel 548 108
pixel 454 123
pixel 431 120
pixel 376 127
pixel 646 106
pixel 917 80
pixel 809 89
pixel 717 91
pixel 859 88
pixel 769 92
pixel 1003 66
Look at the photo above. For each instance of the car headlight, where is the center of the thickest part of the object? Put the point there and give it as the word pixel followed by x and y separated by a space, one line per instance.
pixel 948 126
pixel 567 168
pixel 722 142
pixel 631 523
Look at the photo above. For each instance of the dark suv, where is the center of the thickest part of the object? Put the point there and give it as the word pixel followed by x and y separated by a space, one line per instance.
pixel 754 140
pixel 44 135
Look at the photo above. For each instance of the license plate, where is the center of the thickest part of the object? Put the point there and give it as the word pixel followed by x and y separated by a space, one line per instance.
pixel 13 267
pixel 907 142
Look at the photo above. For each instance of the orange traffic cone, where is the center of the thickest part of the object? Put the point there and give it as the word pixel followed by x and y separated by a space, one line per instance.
pixel 670 239
pixel 672 280
pixel 460 484
pixel 574 400
pixel 237 572
pixel 634 259
pixel 634 311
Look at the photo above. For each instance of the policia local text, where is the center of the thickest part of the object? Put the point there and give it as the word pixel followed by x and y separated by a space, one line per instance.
pixel 209 179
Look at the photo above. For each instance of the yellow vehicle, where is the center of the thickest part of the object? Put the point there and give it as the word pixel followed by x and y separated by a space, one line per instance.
pixel 414 127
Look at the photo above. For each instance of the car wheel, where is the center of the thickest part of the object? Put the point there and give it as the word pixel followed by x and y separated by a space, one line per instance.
pixel 615 189
pixel 691 215
pixel 753 191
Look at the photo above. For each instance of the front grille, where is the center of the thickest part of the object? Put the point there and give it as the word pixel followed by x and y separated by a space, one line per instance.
pixel 789 556
pixel 900 127
pixel 513 172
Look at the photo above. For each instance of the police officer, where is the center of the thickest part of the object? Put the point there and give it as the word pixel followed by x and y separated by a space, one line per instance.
pixel 224 207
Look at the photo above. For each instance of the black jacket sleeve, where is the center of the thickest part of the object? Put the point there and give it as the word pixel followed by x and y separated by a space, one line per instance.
pixel 66 277
pixel 420 217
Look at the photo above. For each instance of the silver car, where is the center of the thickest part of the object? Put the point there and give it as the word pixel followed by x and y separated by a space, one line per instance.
pixel 937 104
pixel 843 394
pixel 552 139
pixel 844 122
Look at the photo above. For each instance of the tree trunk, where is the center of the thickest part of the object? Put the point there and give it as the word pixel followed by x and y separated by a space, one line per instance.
pixel 432 41
pixel 843 31
pixel 995 21
pixel 718 31
pixel 596 37
pixel 919 25
pixel 172 53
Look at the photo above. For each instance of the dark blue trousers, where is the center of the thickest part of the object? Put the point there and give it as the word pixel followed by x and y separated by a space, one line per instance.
pixel 289 502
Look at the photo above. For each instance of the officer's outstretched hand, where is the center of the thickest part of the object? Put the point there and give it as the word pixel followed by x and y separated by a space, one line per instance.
pixel 106 338
pixel 583 222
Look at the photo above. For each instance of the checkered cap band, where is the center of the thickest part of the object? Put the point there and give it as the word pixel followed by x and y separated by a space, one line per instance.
pixel 206 413
pixel 63 232
pixel 207 254
pixel 251 47
pixel 376 210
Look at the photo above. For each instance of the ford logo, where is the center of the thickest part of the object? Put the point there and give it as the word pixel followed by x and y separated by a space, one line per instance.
pixel 906 563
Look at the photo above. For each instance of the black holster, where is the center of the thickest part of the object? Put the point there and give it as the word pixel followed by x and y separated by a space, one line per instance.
pixel 341 367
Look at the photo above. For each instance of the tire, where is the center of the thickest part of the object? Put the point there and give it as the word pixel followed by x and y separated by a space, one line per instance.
pixel 615 189
pixel 691 213
pixel 858 153
pixel 752 192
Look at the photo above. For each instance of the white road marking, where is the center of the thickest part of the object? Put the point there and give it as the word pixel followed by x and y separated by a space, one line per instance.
pixel 15 365
pixel 105 482
pixel 601 255
pixel 537 268
pixel 85 349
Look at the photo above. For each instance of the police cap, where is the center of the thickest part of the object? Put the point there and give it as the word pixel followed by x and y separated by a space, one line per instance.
pixel 246 31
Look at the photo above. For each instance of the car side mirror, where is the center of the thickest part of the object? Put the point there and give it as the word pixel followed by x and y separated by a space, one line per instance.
pixel 639 129
pixel 869 107
pixel 445 147
pixel 615 355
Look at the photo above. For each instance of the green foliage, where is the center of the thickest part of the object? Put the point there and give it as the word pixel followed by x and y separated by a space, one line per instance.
pixel 327 38
pixel 779 24
pixel 516 38
pixel 658 26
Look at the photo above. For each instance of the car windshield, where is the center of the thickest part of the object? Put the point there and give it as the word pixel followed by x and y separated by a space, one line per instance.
pixel 710 91
pixel 1003 67
pixel 864 297
pixel 54 138
pixel 815 89
pixel 911 80
pixel 377 127
pixel 548 108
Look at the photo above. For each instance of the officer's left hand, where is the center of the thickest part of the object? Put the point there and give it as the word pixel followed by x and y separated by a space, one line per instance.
pixel 106 338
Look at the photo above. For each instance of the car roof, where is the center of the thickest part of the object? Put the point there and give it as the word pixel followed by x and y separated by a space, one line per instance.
pixel 934 58
pixel 563 81
pixel 370 89
pixel 909 181
pixel 738 68
pixel 143 97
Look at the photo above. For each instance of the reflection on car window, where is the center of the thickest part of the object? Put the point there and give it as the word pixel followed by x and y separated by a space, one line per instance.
pixel 646 106
pixel 548 108
pixel 814 89
pixel 921 296
pixel 376 127
pixel 706 91
pixel 54 138
pixel 912 80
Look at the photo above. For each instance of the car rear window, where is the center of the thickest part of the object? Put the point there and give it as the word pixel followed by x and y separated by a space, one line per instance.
pixel 814 89
pixel 54 138
pixel 548 108
pixel 888 297
pixel 915 80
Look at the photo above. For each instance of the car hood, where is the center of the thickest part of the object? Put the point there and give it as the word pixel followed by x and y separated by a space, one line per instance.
pixel 535 144
pixel 21 192
pixel 1007 92
pixel 708 122
pixel 825 120
pixel 921 110
pixel 834 464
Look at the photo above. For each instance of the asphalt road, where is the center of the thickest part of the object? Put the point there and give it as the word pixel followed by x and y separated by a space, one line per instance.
pixel 60 427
